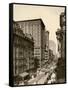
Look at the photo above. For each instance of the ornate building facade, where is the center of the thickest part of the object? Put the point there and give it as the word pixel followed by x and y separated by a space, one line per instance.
pixel 61 49
pixel 23 51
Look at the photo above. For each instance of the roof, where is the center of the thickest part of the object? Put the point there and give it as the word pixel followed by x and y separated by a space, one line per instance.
pixel 31 20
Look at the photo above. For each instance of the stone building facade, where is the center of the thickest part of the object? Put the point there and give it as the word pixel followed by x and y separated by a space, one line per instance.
pixel 61 49
pixel 23 51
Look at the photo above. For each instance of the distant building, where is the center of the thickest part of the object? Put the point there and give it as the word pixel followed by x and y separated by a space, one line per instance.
pixel 52 46
pixel 61 48
pixel 23 51
pixel 51 56
pixel 36 29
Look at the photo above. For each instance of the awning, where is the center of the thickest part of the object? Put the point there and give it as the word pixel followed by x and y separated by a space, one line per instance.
pixel 23 74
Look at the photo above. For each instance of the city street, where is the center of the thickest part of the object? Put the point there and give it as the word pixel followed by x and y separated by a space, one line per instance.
pixel 46 77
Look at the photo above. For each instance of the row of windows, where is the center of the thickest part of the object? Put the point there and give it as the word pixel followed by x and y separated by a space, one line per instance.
pixel 34 31
pixel 21 68
pixel 28 26
pixel 23 44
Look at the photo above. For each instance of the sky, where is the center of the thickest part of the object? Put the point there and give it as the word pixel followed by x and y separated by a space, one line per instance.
pixel 49 15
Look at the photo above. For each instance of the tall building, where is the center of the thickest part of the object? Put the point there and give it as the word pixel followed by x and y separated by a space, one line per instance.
pixel 63 25
pixel 47 46
pixel 36 29
pixel 23 51
pixel 61 49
